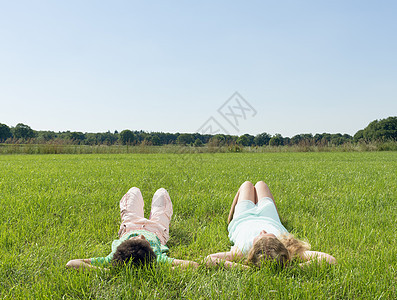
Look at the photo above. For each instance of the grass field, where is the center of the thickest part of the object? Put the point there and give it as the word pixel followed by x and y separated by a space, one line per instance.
pixel 58 207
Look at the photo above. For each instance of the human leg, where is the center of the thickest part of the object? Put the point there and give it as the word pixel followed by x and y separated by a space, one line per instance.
pixel 161 213
pixel 262 190
pixel 131 208
pixel 245 192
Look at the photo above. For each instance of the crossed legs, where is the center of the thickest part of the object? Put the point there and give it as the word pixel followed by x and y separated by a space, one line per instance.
pixel 248 191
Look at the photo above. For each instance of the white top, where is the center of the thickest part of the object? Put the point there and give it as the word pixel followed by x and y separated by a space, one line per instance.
pixel 250 219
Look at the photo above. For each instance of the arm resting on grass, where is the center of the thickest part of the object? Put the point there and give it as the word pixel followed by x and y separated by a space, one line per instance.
pixel 225 259
pixel 84 263
pixel 183 264
pixel 315 256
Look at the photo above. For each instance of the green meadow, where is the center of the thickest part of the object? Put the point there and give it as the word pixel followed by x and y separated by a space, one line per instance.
pixel 59 207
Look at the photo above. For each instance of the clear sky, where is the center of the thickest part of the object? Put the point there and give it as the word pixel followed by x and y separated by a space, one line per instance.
pixel 302 66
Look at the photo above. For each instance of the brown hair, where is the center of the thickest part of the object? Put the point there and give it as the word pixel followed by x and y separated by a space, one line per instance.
pixel 281 251
pixel 134 251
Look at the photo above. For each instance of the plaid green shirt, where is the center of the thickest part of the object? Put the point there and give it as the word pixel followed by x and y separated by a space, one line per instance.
pixel 159 249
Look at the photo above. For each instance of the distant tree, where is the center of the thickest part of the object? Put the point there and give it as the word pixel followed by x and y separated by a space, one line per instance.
pixel 196 136
pixel 156 141
pixel 231 139
pixel 242 140
pixel 347 138
pixel 276 140
pixel 317 138
pixel 286 141
pixel 245 140
pixel 384 129
pixel 323 139
pixel 336 139
pixel 91 138
pixel 46 135
pixel 305 138
pixel 358 136
pixel 198 143
pixel 5 132
pixel 64 135
pixel 139 136
pixel 168 138
pixel 109 138
pixel 204 138
pixel 184 139
pixel 127 137
pixel 262 139
pixel 77 137
pixel 22 131
pixel 296 139
pixel 217 140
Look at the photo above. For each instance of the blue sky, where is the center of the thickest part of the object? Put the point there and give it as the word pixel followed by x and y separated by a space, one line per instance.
pixel 94 66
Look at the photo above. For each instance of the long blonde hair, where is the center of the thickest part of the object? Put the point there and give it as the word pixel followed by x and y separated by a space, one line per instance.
pixel 281 250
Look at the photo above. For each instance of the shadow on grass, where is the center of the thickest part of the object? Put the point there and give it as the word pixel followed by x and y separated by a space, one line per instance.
pixel 183 231
pixel 287 225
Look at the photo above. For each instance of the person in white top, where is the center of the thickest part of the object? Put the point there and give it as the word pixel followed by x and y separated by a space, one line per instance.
pixel 258 235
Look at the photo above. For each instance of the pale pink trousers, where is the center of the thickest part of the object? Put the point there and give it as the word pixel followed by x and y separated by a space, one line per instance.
pixel 132 216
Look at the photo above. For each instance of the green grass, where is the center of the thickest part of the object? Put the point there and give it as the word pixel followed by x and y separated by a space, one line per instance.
pixel 58 207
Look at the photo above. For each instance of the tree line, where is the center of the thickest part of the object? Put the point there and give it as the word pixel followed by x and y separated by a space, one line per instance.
pixel 378 130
